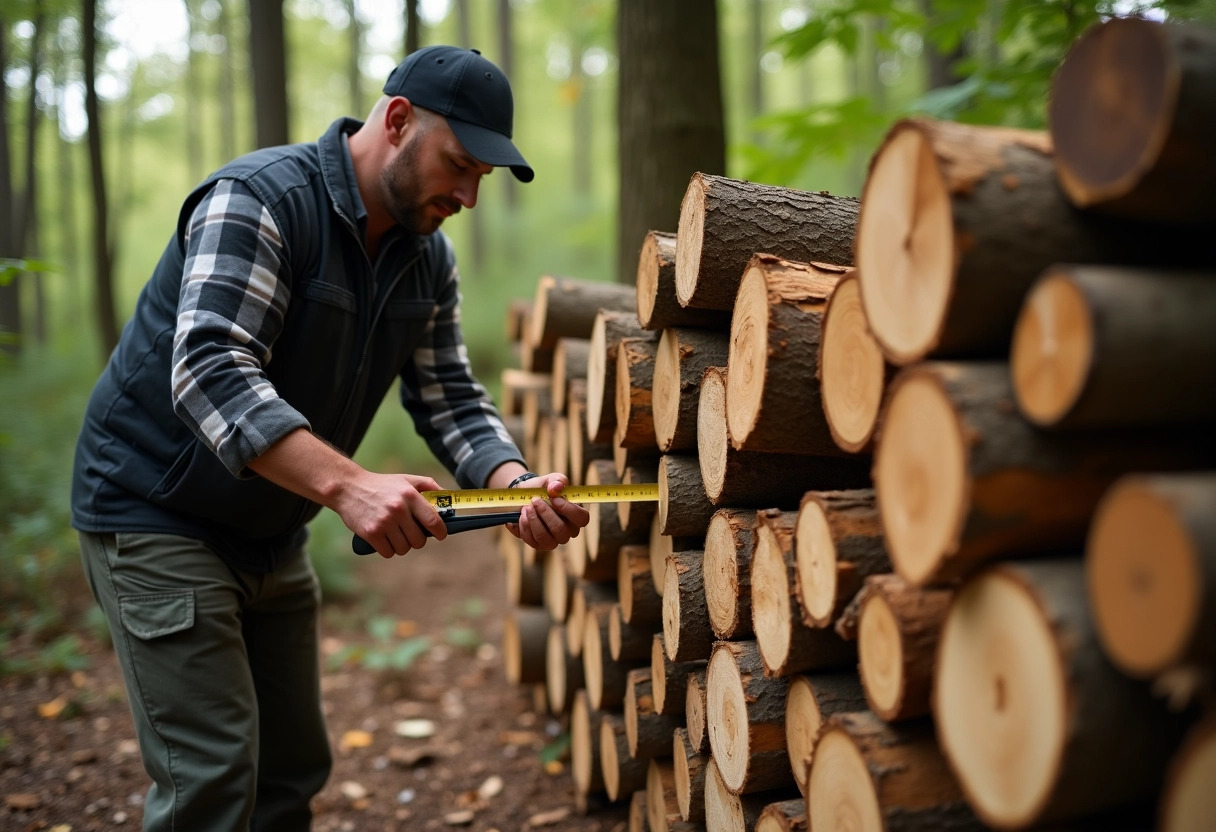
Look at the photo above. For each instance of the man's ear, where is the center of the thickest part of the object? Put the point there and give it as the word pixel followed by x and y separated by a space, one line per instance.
pixel 399 116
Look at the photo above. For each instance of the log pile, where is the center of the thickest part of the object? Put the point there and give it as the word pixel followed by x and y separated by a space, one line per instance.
pixel 934 546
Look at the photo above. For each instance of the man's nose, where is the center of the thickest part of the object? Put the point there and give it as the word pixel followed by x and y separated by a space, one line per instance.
pixel 466 191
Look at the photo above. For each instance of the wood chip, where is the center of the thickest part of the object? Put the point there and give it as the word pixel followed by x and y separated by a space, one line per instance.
pixel 415 728
pixel 22 800
pixel 492 787
pixel 459 818
pixel 549 818
pixel 355 739
pixel 352 790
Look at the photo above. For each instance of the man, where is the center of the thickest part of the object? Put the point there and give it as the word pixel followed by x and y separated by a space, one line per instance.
pixel 301 282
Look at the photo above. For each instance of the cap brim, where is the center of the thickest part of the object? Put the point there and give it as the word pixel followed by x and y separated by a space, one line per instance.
pixel 491 147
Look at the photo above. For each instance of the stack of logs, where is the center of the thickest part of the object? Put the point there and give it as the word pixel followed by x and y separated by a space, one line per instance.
pixel 936 539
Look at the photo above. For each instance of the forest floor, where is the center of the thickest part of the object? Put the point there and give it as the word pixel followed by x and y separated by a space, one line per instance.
pixel 446 744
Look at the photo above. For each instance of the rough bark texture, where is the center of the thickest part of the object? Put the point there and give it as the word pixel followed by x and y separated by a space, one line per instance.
pixel 783 816
pixel 729 544
pixel 684 510
pixel 609 330
pixel 681 361
pixel 670 678
pixel 658 307
pixel 686 630
pixel 648 731
pixel 627 643
pixel 838 543
pixel 661 806
pixel 566 307
pixel 641 603
pixel 690 769
pixel 745 717
pixel 634 382
pixel 623 775
pixel 808 704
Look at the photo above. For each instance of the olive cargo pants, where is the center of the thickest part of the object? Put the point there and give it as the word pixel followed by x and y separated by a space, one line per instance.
pixel 223 679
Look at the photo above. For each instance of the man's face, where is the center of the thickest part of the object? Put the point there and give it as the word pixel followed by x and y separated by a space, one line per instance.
pixel 430 178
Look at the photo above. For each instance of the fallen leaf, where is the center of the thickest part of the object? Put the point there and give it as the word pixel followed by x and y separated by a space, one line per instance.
pixel 79 679
pixel 355 739
pixel 84 755
pixel 415 728
pixel 352 790
pixel 492 787
pixel 459 818
pixel 22 800
pixel 405 628
pixel 527 738
pixel 554 767
pixel 549 818
pixel 52 709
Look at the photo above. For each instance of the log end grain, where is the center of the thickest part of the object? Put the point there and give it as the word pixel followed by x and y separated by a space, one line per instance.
pixel 852 370
pixel 1053 349
pixel 689 239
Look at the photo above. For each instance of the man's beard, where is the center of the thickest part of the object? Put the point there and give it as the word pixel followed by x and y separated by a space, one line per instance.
pixel 403 193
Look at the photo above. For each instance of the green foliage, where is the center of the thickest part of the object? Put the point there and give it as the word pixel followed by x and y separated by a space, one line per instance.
pixel 10 268
pixel 62 655
pixel 386 652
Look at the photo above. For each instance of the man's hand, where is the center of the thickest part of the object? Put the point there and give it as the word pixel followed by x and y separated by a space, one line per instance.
pixel 548 524
pixel 388 511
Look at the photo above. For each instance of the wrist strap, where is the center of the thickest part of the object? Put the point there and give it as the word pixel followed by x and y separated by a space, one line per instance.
pixel 524 477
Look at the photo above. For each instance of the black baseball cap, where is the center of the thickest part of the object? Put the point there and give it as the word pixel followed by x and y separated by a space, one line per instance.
pixel 471 93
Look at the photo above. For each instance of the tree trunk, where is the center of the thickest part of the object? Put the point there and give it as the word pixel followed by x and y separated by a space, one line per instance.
pixel 354 74
pixel 194 98
pixel 689 768
pixel 838 543
pixel 669 678
pixel 506 62
pixel 413 28
pixel 628 643
pixel 637 456
pixel 28 228
pixel 604 675
pixel 684 510
pixel 681 360
pixel 641 603
pixel 669 114
pixel 623 775
pixel 585 752
pixel 525 581
pixel 524 634
pixel 745 715
pixel 729 544
pixel 586 597
pixel 227 81
pixel 559 583
pixel 607 332
pixel 635 361
pixel 852 371
pixel 811 700
pixel 663 546
pixel 723 222
pixel 1141 153
pixel 658 307
pixel 686 631
pixel 103 262
pixel 268 63
pixel 64 162
pixel 1111 347
pixel 649 732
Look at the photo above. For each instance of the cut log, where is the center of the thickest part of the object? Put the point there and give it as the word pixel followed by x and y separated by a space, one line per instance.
pixel 837 544
pixel 569 363
pixel 634 381
pixel 729 543
pixel 694 711
pixel 603 675
pixel 537 407
pixel 774 358
pixel 585 745
pixel 668 678
pixel 680 362
pixel 641 603
pixel 1099 346
pixel 786 644
pixel 563 672
pixel 1132 117
pixel 582 449
pixel 609 330
pixel 623 775
pixel 663 546
pixel 661 807
pixel 519 314
pixel 566 307
pixel 515 383
pixel 524 633
pixel 559 583
pixel 729 812
pixel 628 643
pixel 733 477
pixel 783 816
pixel 525 581
pixel 961 478
pixel 636 517
pixel 1036 723
pixel 897 636
pixel 648 731
pixel 745 716
pixel 689 768
pixel 722 221
pixel 585 597
pixel 605 537
pixel 1151 573
pixel 959 220
pixel 579 562
pixel 883 777
pixel 658 306
pixel 631 457
pixel 637 812
pixel 852 371
pixel 683 510
pixel 811 700
pixel 686 631
pixel 1188 801
pixel 561 445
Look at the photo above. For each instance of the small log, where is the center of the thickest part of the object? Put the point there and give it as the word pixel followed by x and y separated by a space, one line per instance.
pixel 661 806
pixel 623 775
pixel 808 704
pixel 582 449
pixel 561 445
pixel 958 221
pixel 525 581
pixel 626 643
pixel 658 307
pixel 668 678
pixel 729 812
pixel 726 570
pixel 515 383
pixel 641 603
pixel 689 768
pixel 585 745
pixel 636 517
pixel 536 406
pixel 1100 346
pixel 684 510
pixel 783 816
pixel 663 546
pixel 632 457
pixel 604 676
pixel 694 711
pixel 786 644
pixel 585 597
pixel 1041 733
pixel 1130 134
pixel 579 562
pixel 961 478
pixel 569 363
pixel 648 731
pixel 609 330
pixel 773 383
pixel 682 357
pixel 745 715
pixel 897 636
pixel 604 533
pixel 1151 568
pixel 893 775
pixel 634 381
pixel 686 631
pixel 563 672
pixel 524 632
pixel 852 371
pixel 837 544
pixel 1187 801
pixel 566 308
pixel 559 583
pixel 637 812
pixel 722 221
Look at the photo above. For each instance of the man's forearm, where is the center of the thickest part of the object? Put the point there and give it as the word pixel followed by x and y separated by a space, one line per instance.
pixel 502 476
pixel 306 465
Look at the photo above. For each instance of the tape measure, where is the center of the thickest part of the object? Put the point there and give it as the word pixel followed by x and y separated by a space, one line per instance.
pixel 517 497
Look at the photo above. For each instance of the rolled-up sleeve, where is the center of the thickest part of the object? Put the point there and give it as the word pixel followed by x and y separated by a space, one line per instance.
pixel 231 309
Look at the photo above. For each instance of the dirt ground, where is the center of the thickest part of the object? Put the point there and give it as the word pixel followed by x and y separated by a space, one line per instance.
pixel 484 761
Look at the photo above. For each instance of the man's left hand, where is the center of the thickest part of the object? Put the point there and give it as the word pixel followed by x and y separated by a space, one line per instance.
pixel 546 524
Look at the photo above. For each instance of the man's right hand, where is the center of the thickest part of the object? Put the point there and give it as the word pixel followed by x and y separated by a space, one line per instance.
pixel 388 511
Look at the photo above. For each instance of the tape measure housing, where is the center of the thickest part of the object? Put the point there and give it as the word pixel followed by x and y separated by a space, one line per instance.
pixel 508 497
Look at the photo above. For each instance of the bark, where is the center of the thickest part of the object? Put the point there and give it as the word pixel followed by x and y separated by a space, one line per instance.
pixel 627 643
pixel 837 543
pixel 658 307
pixel 635 361
pixel 689 768
pixel 683 357
pixel 661 806
pixel 103 255
pixel 686 631
pixel 413 27
pixel 811 700
pixel 641 603
pixel 268 64
pixel 565 307
pixel 649 732
pixel 623 775
pixel 669 678
pixel 684 510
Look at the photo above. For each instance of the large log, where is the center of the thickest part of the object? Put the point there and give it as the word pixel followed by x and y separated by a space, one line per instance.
pixel 852 371
pixel 729 544
pixel 786 644
pixel 961 478
pixel 581 448
pixel 569 363
pixel 722 221
pixel 1188 801
pixel 635 359
pixel 745 716
pixel 566 308
pixel 609 329
pixel 604 533
pixel 585 745
pixel 649 732
pixel 689 768
pixel 627 643
pixel 686 631
pixel 641 603
pixel 658 306
pixel 684 510
pixel 524 633
pixel 1133 118
pixel 637 812
pixel 669 678
pixel 1151 573
pixel 837 544
pixel 893 777
pixel 1035 721
pixel 811 700
pixel 729 812
pixel 958 221
pixel 773 400
pixel 1101 346
pixel 682 358
pixel 623 775
pixel 732 477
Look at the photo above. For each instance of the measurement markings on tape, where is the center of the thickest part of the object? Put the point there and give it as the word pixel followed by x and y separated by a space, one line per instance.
pixel 506 497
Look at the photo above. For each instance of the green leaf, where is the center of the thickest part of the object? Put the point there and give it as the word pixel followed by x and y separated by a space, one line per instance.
pixel 555 750
pixel 409 651
pixel 382 627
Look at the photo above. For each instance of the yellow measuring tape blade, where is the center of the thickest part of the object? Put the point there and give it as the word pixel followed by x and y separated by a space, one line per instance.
pixel 515 497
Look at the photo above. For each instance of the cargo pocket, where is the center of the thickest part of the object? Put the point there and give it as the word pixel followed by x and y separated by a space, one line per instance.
pixel 157 614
